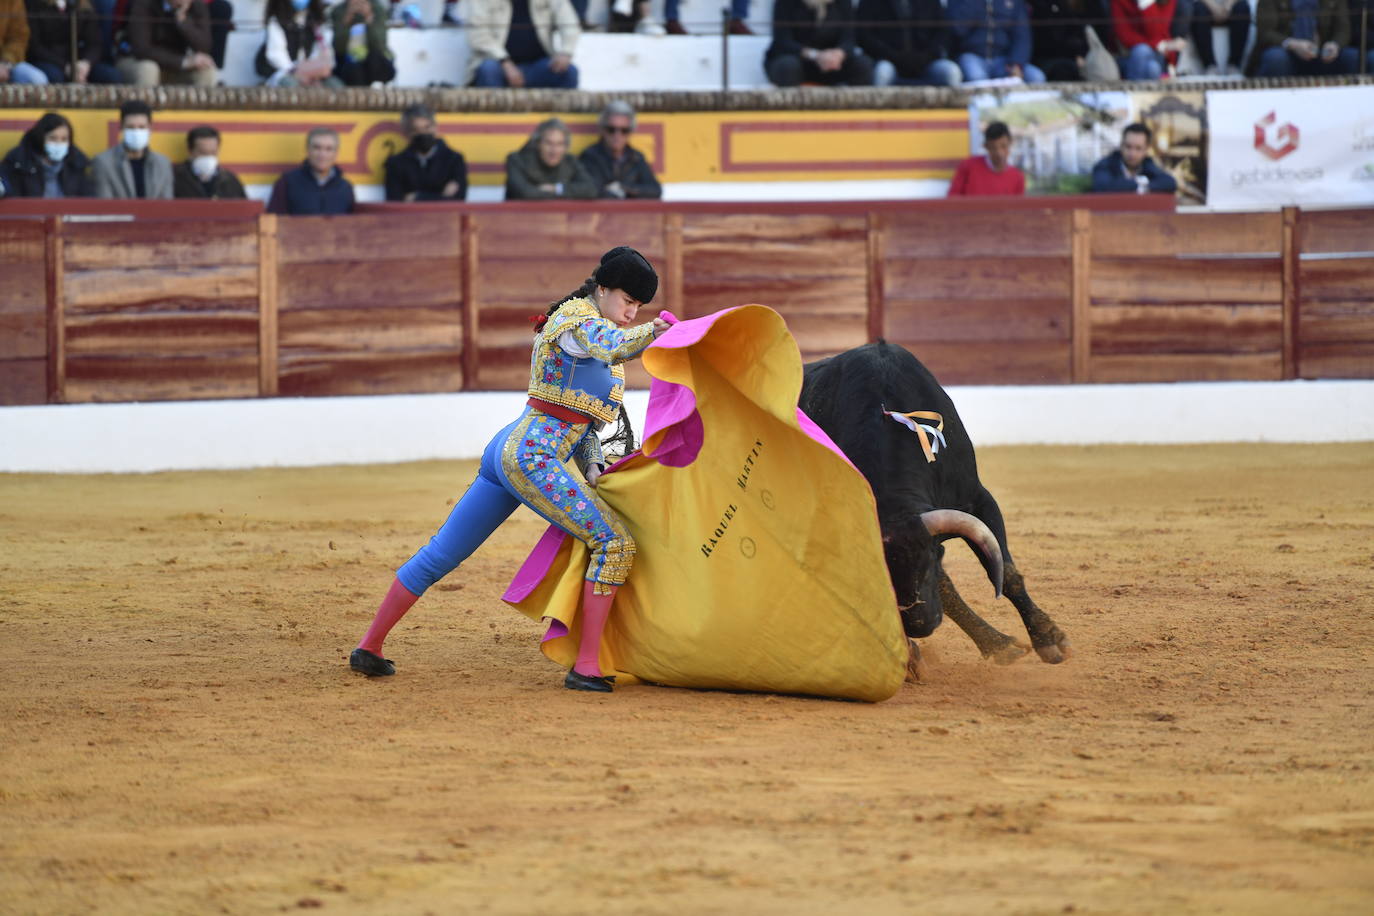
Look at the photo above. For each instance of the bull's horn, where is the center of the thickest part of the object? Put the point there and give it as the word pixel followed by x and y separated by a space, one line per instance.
pixel 978 535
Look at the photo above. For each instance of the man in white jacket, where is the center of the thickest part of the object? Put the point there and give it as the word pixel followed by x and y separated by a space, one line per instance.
pixel 523 44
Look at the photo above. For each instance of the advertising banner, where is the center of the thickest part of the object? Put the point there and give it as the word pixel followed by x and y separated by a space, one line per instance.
pixel 1280 147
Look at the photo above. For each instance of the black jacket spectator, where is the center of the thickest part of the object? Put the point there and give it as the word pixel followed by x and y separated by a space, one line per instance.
pixel 798 35
pixel 1109 174
pixel 50 40
pixel 910 47
pixel 407 172
pixel 155 35
pixel 1059 39
pixel 299 194
pixel 224 186
pixel 22 171
pixel 632 171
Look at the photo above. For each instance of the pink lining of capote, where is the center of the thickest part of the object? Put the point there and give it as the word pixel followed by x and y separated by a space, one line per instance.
pixel 673 411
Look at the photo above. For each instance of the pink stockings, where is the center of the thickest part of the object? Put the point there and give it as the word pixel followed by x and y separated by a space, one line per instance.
pixel 595 611
pixel 398 600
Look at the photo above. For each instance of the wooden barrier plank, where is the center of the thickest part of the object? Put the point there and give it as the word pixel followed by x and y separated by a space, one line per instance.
pixel 164 334
pixel 393 284
pixel 389 372
pixel 1007 280
pixel 1164 280
pixel 1194 328
pixel 704 293
pixel 113 378
pixel 371 238
pixel 973 363
pixel 24 335
pixel 1336 231
pixel 581 236
pixel 23 381
pixel 1342 278
pixel 764 263
pixel 151 288
pixel 1345 321
pixel 1016 233
pixel 1162 235
pixel 800 232
pixel 535 282
pixel 1188 367
pixel 23 267
pixel 160 245
pixel 977 319
pixel 1337 360
pixel 370 330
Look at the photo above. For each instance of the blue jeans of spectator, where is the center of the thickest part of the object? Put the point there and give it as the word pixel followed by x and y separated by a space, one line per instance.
pixel 101 73
pixel 24 72
pixel 538 75
pixel 1142 63
pixel 976 67
pixel 1278 61
pixel 739 9
pixel 942 72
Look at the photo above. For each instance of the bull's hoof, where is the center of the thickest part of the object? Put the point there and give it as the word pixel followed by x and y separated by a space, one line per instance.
pixel 1007 653
pixel 916 668
pixel 1056 652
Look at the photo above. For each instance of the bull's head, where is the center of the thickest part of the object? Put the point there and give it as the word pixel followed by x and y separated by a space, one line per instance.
pixel 913 551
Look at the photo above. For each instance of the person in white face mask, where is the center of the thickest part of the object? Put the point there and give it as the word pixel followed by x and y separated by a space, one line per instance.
pixel 130 168
pixel 46 163
pixel 200 176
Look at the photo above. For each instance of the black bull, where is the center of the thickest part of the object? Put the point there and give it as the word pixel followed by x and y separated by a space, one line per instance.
pixel 920 502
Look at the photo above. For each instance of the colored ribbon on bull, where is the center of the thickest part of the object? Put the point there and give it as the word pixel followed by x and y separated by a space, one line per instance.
pixel 922 431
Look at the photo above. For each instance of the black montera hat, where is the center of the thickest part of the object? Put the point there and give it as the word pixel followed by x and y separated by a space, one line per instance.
pixel 627 269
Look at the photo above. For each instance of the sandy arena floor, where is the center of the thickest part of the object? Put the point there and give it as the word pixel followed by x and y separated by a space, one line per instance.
pixel 182 735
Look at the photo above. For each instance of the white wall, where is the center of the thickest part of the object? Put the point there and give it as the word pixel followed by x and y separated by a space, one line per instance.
pixel 88 438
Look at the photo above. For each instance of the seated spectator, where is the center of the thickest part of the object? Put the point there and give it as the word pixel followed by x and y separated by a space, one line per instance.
pixel 200 177
pixel 129 169
pixel 361 55
pixel 1059 37
pixel 739 16
pixel 427 169
pixel 992 39
pixel 1304 38
pixel 543 169
pixel 992 173
pixel 316 187
pixel 522 44
pixel 1145 32
pixel 1234 15
pixel 14 45
pixel 618 169
pixel 50 43
pixel 47 162
pixel 168 42
pixel 906 40
pixel 814 42
pixel 221 24
pixel 1130 168
pixel 296 49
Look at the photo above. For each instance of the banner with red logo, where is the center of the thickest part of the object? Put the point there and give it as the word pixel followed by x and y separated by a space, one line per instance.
pixel 1275 147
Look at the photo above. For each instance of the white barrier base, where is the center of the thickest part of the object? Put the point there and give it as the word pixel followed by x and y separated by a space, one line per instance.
pixel 295 432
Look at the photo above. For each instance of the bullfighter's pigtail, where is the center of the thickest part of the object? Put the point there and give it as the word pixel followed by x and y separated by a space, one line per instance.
pixel 582 292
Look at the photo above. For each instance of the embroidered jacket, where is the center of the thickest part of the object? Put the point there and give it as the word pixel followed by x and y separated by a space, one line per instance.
pixel 577 356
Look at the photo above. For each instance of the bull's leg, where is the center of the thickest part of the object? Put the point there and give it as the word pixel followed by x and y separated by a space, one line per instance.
pixel 991 642
pixel 916 669
pixel 1049 641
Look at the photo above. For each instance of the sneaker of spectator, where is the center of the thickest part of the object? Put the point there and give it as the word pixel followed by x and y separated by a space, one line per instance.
pixel 992 40
pixel 814 42
pixel 168 43
pixel 906 39
pixel 51 48
pixel 522 44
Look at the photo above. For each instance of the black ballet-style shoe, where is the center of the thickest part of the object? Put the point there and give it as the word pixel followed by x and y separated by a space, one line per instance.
pixel 575 681
pixel 370 663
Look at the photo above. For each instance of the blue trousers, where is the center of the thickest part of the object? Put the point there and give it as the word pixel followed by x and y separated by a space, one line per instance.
pixel 1142 63
pixel 976 67
pixel 524 463
pixel 538 75
pixel 739 9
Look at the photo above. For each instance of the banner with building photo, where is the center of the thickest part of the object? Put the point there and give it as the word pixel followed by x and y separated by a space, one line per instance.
pixel 1059 136
pixel 1280 147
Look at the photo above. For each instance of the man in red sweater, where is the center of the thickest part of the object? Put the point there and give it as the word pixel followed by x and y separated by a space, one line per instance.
pixel 990 173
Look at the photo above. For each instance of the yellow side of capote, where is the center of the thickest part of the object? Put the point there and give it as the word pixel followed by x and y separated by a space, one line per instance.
pixel 683 147
pixel 760 565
